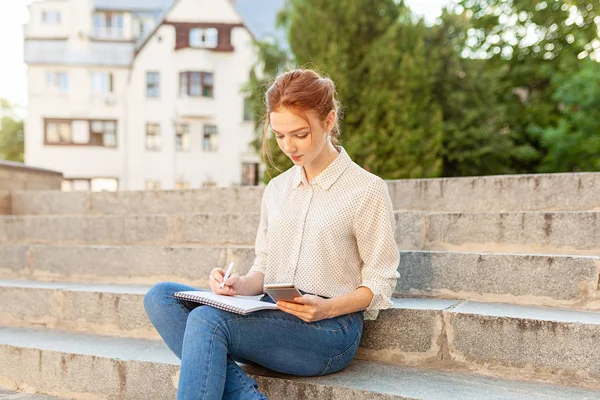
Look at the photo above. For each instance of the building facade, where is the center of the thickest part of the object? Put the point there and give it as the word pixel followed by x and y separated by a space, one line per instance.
pixel 132 94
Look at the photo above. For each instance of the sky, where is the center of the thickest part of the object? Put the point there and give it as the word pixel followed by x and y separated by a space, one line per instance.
pixel 14 14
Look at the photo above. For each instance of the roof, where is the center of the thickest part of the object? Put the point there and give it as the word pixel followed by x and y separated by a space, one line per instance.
pixel 132 5
pixel 259 16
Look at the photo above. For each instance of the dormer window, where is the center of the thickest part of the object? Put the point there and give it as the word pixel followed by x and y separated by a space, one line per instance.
pixel 207 38
pixel 108 25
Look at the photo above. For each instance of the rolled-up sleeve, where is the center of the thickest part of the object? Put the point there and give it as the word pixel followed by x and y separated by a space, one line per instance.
pixel 261 245
pixel 374 229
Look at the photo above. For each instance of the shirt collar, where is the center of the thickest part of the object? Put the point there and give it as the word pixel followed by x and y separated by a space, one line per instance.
pixel 328 176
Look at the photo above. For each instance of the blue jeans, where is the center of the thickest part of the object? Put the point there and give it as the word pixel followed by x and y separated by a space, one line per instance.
pixel 209 341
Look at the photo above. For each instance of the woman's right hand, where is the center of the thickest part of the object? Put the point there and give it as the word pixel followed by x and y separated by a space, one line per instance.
pixel 232 285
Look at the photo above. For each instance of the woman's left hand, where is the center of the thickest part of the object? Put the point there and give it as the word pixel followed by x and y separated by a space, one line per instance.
pixel 309 308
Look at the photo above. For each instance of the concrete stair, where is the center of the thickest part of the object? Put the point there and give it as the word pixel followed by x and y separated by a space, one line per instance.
pixel 528 279
pixel 421 332
pixel 498 296
pixel 69 364
pixel 565 232
pixel 550 192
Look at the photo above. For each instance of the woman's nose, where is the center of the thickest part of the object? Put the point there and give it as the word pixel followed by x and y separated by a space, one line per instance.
pixel 289 145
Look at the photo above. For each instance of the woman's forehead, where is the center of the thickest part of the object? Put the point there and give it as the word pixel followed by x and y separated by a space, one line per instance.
pixel 286 120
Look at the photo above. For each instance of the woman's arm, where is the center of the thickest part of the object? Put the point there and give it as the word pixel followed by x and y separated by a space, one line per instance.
pixel 314 308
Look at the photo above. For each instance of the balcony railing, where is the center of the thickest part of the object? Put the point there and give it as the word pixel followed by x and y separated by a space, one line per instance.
pixel 102 32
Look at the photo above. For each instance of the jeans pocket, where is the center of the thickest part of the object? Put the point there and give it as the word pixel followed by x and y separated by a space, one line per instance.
pixel 341 361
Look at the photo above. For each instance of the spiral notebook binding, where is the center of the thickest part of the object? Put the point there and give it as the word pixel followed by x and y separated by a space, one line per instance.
pixel 210 302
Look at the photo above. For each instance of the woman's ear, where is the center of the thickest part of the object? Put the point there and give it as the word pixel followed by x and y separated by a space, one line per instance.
pixel 330 121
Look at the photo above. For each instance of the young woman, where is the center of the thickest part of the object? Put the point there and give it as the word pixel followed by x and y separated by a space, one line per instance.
pixel 326 226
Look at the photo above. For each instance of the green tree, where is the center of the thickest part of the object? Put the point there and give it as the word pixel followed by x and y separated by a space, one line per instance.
pixel 474 139
pixel 12 137
pixel 573 144
pixel 400 131
pixel 528 42
pixel 376 54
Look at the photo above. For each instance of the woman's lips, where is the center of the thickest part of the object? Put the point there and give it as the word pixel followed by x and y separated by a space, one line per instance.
pixel 296 158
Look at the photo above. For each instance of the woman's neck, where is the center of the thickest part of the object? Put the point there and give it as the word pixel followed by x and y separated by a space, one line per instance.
pixel 327 156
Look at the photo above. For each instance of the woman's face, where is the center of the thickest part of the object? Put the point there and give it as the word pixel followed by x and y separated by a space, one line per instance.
pixel 295 138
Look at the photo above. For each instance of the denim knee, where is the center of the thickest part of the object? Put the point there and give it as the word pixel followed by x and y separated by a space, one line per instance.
pixel 209 316
pixel 161 293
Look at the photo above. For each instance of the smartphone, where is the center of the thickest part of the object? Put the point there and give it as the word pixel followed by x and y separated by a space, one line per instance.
pixel 282 291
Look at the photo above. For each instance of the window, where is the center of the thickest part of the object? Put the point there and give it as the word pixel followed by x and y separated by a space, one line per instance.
pixel 103 133
pixel 59 80
pixel 152 137
pixel 58 132
pixel 94 184
pixel 210 138
pixel 152 84
pixel 182 185
pixel 208 38
pixel 108 25
pixel 70 185
pixel 208 183
pixel 81 132
pixel 182 137
pixel 249 174
pixel 152 184
pixel 196 84
pixel 102 82
pixel 248 115
pixel 51 17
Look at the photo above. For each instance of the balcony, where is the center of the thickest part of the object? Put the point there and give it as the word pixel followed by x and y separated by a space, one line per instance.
pixel 195 107
pixel 109 33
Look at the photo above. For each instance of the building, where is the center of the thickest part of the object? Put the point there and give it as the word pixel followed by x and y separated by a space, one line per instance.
pixel 142 94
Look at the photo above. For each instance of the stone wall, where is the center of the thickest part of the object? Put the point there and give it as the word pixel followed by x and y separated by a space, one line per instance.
pixel 17 176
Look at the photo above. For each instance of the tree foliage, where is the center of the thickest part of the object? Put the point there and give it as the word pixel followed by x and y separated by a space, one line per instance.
pixel 493 87
pixel 12 136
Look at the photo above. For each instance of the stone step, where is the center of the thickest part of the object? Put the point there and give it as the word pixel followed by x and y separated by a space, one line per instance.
pixel 510 340
pixel 552 192
pixel 507 278
pixel 7 394
pixel 525 232
pixel 69 364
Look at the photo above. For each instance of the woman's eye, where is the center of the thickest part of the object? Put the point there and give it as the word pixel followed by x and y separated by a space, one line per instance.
pixel 303 136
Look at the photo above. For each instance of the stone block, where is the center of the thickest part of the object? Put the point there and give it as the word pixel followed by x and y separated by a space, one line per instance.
pixel 533 230
pixel 538 192
pixel 534 341
pixel 220 228
pixel 527 279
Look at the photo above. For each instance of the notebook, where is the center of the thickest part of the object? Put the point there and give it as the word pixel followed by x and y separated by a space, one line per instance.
pixel 235 304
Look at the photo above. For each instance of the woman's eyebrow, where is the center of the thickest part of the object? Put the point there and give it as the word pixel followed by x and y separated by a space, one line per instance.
pixel 294 131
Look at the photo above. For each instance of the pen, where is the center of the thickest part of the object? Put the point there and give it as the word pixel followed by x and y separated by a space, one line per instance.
pixel 227 273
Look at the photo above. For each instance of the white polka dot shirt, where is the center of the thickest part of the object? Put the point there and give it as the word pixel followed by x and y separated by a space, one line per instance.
pixel 330 236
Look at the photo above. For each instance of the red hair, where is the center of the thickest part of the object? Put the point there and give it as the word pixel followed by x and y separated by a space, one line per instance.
pixel 301 91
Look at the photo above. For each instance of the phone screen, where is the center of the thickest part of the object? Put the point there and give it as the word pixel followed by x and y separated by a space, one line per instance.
pixel 283 293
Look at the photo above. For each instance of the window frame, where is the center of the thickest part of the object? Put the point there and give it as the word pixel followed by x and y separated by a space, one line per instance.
pixel 51 21
pixel 198 38
pixel 199 77
pixel 156 135
pixel 182 131
pixel 152 86
pixel 247 174
pixel 55 79
pixel 207 134
pixel 91 132
pixel 111 27
pixel 109 82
